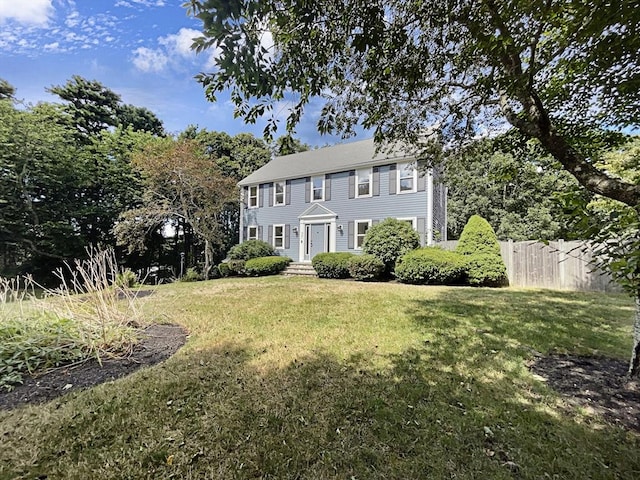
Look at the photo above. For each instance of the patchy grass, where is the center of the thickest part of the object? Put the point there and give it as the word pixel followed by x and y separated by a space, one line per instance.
pixel 308 378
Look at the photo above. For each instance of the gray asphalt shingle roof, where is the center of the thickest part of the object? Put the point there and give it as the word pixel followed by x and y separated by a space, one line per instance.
pixel 339 158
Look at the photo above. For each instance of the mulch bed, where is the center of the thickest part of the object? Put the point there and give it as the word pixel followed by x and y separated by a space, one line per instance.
pixel 158 342
pixel 597 384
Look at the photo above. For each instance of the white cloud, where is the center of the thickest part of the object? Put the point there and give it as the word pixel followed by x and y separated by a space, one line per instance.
pixel 172 50
pixel 73 19
pixel 52 46
pixel 148 60
pixel 142 3
pixel 31 12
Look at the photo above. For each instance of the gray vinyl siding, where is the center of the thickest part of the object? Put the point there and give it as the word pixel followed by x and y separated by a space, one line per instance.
pixel 347 209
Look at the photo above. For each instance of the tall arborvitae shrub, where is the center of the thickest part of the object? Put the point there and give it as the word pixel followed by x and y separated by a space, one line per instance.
pixel 479 244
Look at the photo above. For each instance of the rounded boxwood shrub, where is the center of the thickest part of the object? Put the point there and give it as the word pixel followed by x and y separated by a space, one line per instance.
pixel 191 275
pixel 479 244
pixel 389 240
pixel 366 267
pixel 265 266
pixel 251 249
pixel 332 265
pixel 224 270
pixel 431 266
pixel 486 270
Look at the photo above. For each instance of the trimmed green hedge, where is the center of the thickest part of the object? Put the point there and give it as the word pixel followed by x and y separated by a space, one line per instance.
pixel 251 249
pixel 366 267
pixel 486 270
pixel 236 267
pixel 431 266
pixel 265 266
pixel 224 270
pixel 332 265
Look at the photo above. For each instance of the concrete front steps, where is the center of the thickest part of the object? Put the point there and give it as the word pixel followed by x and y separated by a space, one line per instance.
pixel 299 269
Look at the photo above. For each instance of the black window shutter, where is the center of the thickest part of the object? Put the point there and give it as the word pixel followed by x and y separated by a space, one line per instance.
pixel 352 184
pixel 287 236
pixel 270 234
pixel 376 182
pixel 327 187
pixel 244 234
pixel 422 181
pixel 392 179
pixel 271 189
pixel 307 190
pixel 350 233
pixel 261 195
pixel 287 192
pixel 375 222
pixel 260 232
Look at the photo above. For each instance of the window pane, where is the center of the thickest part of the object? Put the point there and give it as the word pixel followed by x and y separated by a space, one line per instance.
pixel 406 184
pixel 317 182
pixel 279 187
pixel 317 194
pixel 363 189
pixel 363 227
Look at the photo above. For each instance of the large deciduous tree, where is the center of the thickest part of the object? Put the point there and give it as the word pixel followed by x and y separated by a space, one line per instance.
pixel 180 183
pixel 550 68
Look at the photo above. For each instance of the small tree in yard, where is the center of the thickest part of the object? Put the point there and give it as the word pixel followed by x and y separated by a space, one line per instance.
pixel 389 240
pixel 479 244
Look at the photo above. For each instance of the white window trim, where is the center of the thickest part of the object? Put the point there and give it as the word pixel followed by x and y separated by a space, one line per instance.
pixel 257 196
pixel 274 236
pixel 370 184
pixel 414 221
pixel 252 237
pixel 321 177
pixel 284 194
pixel 400 167
pixel 355 232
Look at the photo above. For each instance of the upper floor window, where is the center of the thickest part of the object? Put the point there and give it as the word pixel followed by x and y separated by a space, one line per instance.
pixel 407 178
pixel 252 233
pixel 279 193
pixel 253 196
pixel 363 182
pixel 410 220
pixel 317 189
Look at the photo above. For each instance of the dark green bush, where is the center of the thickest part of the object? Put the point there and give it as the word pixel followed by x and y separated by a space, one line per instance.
pixel 265 266
pixel 431 266
pixel 389 240
pixel 366 267
pixel 224 270
pixel 332 265
pixel 486 270
pixel 236 267
pixel 191 275
pixel 479 244
pixel 478 237
pixel 251 249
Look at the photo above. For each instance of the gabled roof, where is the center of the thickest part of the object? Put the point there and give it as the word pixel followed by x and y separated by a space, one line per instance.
pixel 317 210
pixel 347 156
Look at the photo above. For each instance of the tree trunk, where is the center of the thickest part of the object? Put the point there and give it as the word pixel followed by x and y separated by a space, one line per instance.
pixel 207 259
pixel 634 365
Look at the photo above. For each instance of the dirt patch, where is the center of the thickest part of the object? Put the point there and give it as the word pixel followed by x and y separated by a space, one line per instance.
pixel 158 342
pixel 597 384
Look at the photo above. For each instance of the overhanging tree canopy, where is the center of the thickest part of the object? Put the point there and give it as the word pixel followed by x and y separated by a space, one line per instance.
pixel 399 66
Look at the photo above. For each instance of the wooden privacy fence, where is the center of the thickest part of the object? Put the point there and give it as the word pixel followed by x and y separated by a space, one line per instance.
pixel 561 265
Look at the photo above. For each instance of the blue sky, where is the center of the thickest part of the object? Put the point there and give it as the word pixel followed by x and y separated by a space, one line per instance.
pixel 137 48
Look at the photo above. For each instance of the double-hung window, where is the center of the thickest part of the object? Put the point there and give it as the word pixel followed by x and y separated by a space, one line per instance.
pixel 410 220
pixel 363 182
pixel 407 178
pixel 317 188
pixel 278 236
pixel 279 193
pixel 253 196
pixel 361 230
pixel 252 232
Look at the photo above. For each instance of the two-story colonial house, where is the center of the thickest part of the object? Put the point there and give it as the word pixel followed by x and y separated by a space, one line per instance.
pixel 325 200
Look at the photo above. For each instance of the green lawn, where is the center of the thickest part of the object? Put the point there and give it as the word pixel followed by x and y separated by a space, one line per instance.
pixel 308 378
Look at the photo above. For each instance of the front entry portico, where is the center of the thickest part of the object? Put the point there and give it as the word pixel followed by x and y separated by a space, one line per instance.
pixel 317 232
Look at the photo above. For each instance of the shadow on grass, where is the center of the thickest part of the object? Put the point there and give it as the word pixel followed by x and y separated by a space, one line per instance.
pixel 213 414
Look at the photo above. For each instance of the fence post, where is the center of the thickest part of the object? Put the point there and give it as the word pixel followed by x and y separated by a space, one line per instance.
pixel 562 260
